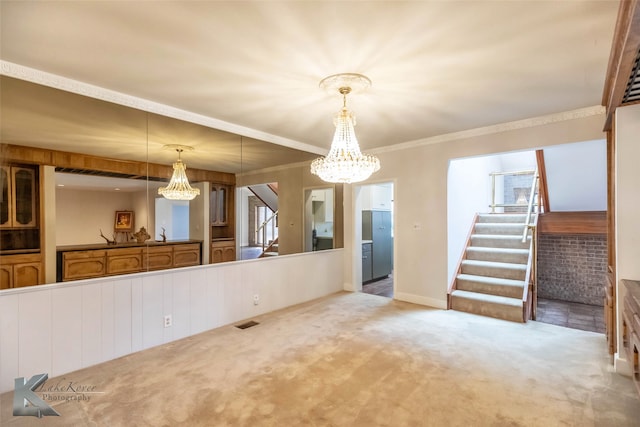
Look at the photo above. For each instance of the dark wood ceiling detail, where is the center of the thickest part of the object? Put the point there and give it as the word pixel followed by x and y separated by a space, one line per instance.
pixel 624 52
pixel 83 163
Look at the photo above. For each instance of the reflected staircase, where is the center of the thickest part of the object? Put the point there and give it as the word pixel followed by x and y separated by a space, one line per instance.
pixel 271 250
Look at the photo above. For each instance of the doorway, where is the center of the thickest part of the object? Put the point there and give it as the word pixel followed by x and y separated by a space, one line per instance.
pixel 376 213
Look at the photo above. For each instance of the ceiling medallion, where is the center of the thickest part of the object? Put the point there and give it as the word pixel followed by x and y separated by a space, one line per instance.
pixel 345 163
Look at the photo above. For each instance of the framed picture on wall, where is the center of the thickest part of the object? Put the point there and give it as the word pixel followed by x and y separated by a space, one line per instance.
pixel 124 221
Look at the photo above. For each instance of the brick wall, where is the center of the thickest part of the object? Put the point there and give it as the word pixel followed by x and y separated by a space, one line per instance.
pixel 572 267
pixel 513 185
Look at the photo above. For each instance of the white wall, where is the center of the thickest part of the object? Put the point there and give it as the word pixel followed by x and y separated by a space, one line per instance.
pixel 242 212
pixel 577 176
pixel 627 198
pixel 468 193
pixel 78 226
pixel 63 327
pixel 420 173
pixel 82 226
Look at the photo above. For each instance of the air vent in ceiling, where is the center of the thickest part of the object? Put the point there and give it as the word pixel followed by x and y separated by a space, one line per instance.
pixel 632 93
pixel 107 174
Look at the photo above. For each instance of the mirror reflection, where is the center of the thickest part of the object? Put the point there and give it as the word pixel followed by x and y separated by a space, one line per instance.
pixel 71 164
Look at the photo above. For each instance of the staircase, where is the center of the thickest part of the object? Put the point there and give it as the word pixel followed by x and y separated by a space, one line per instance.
pixel 494 273
pixel 271 250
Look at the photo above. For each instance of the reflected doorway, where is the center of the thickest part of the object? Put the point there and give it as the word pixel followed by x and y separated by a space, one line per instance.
pixel 172 219
pixel 318 219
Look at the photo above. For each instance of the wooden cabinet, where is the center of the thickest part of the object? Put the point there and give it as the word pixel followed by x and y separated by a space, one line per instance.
pixel 83 264
pixel 124 261
pixel 110 261
pixel 20 270
pixel 631 328
pixel 609 312
pixel 19 197
pixel 186 255
pixel 219 205
pixel 223 251
pixel 158 258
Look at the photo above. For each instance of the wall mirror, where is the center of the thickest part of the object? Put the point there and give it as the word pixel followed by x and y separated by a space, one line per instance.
pixel 319 213
pixel 103 158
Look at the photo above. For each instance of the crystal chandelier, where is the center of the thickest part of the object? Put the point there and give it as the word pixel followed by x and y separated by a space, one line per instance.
pixel 345 163
pixel 179 188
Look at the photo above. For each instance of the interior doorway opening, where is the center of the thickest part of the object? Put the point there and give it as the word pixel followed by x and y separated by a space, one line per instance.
pixel 569 259
pixel 376 214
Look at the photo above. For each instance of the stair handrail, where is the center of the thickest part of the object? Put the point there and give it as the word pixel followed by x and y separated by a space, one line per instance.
pixel 263 227
pixel 532 193
pixel 531 275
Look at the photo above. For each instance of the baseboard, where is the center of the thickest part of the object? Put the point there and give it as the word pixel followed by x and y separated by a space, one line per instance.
pixel 621 365
pixel 419 299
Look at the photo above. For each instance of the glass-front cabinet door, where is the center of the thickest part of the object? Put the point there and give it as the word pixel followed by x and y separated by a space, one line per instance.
pixel 5 196
pixel 218 205
pixel 24 183
pixel 18 197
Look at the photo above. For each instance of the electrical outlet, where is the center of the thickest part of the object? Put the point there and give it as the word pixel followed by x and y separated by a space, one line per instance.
pixel 256 299
pixel 167 321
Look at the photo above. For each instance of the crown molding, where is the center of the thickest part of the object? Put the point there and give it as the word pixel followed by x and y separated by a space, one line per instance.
pixel 33 75
pixel 493 129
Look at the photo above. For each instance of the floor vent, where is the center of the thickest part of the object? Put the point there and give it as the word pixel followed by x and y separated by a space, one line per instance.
pixel 247 325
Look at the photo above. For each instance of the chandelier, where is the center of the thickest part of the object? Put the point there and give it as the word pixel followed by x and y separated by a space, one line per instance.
pixel 345 163
pixel 179 188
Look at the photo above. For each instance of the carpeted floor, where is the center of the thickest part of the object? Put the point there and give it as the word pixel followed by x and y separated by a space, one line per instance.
pixel 354 359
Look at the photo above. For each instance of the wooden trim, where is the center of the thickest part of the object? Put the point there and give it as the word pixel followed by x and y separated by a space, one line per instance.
pixel 542 184
pixel 624 49
pixel 140 170
pixel 611 196
pixel 594 222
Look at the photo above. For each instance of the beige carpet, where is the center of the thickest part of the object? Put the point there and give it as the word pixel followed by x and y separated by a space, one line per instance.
pixel 357 360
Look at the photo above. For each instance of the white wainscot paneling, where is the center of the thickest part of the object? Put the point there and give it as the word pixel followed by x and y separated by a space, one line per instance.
pixel 9 340
pixel 66 324
pixel 198 309
pixel 181 304
pixel 35 335
pixel 59 328
pixel 122 317
pixel 91 324
pixel 153 310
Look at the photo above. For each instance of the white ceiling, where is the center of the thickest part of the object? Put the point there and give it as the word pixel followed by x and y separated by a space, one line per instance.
pixel 253 67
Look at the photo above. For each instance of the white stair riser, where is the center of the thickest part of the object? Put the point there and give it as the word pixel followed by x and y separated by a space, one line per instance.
pixel 502 218
pixel 495 242
pixel 484 308
pixel 484 255
pixel 491 228
pixel 515 273
pixel 490 288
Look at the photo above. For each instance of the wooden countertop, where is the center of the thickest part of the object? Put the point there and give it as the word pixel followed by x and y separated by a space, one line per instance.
pixel 93 246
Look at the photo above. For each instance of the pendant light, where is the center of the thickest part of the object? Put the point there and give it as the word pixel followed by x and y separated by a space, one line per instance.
pixel 345 163
pixel 179 188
